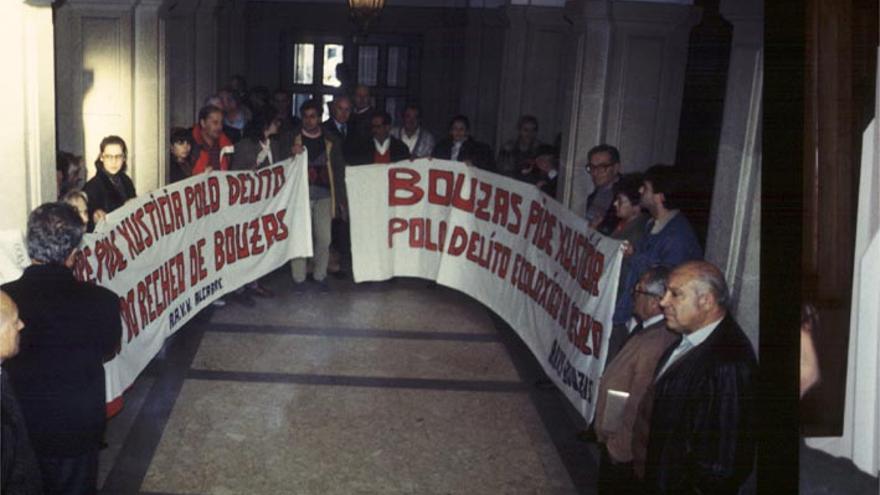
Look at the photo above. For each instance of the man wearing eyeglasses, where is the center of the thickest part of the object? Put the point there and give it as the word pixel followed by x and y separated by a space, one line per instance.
pixel 604 168
pixel 625 381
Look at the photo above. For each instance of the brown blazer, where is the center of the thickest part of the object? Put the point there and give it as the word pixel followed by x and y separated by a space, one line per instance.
pixel 632 370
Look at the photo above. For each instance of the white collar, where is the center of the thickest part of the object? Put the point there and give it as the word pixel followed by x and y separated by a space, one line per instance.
pixel 652 320
pixel 658 226
pixel 381 148
pixel 699 336
pixel 633 321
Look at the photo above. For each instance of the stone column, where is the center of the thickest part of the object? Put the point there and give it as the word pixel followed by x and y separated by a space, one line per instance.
pixel 148 149
pixel 28 140
pixel 733 242
pixel 626 90
pixel 585 97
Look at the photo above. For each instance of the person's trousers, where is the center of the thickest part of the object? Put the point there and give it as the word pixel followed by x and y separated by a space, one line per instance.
pixel 70 475
pixel 321 220
pixel 342 242
pixel 616 477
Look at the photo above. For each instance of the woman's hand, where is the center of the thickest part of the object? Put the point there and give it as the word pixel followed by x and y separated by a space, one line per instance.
pixel 99 216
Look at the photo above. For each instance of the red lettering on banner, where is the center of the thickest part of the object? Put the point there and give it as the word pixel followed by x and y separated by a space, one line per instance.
pixel 157 291
pixel 142 306
pixel 563 252
pixel 395 226
pixel 151 211
pixel 499 209
pixel 417 232
pixel 441 237
pixel 434 194
pixel 465 204
pixel 458 242
pixel 141 226
pixel 544 235
pixel 243 240
pixel 280 178
pixel 203 198
pixel 515 203
pixel 402 187
pixel 129 319
pixel 257 238
pixel 535 213
pixel 213 193
pixel 109 257
pixel 486 190
pixel 82 270
pixel 270 227
pixel 282 227
pixel 197 271
pixel 596 331
pixel 253 187
pixel 177 208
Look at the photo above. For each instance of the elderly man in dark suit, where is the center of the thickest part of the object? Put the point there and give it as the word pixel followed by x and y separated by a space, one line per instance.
pixel 58 375
pixel 701 437
pixel 19 473
pixel 625 381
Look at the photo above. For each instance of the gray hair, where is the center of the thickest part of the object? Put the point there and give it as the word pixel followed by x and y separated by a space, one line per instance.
pixel 654 279
pixel 710 278
pixel 54 230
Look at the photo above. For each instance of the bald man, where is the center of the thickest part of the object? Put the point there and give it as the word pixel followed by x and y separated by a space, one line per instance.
pixel 700 437
pixel 19 472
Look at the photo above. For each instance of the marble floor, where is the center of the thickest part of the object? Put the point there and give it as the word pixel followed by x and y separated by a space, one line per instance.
pixel 379 388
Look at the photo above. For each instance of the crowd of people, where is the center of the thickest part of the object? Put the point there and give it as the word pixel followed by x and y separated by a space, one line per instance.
pixel 675 405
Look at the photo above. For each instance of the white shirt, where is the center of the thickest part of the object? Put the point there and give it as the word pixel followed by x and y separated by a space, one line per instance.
pixel 410 142
pixel 688 342
pixel 381 148
pixel 658 226
pixel 631 324
pixel 456 148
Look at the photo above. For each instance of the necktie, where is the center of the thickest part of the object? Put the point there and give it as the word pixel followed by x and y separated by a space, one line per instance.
pixel 636 329
pixel 343 129
pixel 684 345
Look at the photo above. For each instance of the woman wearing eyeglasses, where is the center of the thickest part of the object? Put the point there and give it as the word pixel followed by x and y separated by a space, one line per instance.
pixel 110 188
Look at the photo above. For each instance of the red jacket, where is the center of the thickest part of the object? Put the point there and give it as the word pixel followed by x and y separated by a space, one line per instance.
pixel 202 153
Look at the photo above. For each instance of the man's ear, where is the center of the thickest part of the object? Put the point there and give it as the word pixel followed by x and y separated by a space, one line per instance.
pixel 661 198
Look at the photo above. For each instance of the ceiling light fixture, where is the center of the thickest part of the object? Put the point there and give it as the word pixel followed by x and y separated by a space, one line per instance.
pixel 364 11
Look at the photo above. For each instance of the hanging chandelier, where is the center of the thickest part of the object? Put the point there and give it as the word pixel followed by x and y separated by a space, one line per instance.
pixel 364 11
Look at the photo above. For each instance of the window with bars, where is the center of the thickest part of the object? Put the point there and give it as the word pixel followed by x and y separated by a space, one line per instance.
pixel 387 64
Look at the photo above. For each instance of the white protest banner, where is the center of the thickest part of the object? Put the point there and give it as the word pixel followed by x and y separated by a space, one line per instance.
pixel 170 253
pixel 518 251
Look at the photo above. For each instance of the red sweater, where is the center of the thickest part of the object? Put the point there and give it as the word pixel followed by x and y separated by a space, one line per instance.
pixel 202 152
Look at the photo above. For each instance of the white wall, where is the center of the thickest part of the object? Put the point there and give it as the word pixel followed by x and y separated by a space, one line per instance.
pixel 27 142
